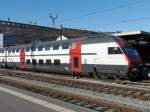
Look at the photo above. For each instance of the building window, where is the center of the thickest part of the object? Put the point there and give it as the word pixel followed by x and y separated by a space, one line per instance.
pixel 47 47
pixel 48 62
pixel 41 62
pixel 34 62
pixel 114 50
pixel 56 62
pixel 40 48
pixel 28 61
pixel 55 47
pixel 65 46
pixel 76 62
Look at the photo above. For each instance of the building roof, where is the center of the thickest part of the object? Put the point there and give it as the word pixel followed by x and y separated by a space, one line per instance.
pixel 134 36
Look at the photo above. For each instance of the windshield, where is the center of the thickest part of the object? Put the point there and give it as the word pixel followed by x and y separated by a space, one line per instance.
pixel 131 52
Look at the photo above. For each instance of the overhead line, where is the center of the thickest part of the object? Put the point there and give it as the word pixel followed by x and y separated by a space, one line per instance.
pixel 125 21
pixel 105 10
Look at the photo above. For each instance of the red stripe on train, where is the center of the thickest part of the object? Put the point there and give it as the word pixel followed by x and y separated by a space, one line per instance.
pixel 22 58
pixel 75 56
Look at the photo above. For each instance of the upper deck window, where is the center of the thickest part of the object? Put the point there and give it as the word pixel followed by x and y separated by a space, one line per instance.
pixel 33 48
pixel 17 49
pixel 40 48
pixel 56 47
pixel 2 50
pixel 13 50
pixel 27 49
pixel 65 46
pixel 47 47
pixel 9 51
pixel 114 50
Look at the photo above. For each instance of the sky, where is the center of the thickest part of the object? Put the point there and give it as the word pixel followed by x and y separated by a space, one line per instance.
pixel 95 15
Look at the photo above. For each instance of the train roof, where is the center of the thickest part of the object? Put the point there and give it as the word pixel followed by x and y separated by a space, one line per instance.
pixel 103 38
pixel 86 40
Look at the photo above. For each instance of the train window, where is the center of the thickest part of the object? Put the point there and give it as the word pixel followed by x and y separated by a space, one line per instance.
pixel 17 49
pixel 48 62
pixel 56 62
pixel 9 51
pixel 55 47
pixel 65 46
pixel 47 47
pixel 40 48
pixel 33 48
pixel 2 50
pixel 13 50
pixel 28 61
pixel 34 62
pixel 27 49
pixel 41 62
pixel 114 50
pixel 76 62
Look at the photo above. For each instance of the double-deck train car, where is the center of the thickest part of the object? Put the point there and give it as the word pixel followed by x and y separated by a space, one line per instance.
pixel 103 54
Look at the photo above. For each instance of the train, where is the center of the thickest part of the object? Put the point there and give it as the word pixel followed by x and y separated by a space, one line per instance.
pixel 91 55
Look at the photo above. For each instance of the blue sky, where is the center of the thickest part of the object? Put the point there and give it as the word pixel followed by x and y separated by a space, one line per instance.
pixel 97 15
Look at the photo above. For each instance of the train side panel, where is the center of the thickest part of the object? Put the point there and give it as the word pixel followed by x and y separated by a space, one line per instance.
pixel 97 55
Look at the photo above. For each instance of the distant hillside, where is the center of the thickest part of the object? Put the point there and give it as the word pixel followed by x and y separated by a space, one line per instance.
pixel 26 33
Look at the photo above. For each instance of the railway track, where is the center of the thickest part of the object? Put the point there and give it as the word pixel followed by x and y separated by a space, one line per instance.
pixel 23 79
pixel 126 90
pixel 98 104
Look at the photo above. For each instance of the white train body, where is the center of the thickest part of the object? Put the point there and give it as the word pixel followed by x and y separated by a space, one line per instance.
pixel 101 54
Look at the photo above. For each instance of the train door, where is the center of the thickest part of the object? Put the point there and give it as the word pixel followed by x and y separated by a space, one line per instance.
pixel 75 56
pixel 22 58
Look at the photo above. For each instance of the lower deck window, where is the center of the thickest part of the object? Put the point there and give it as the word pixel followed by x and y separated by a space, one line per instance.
pixel 28 61
pixel 41 62
pixel 48 62
pixel 34 62
pixel 56 62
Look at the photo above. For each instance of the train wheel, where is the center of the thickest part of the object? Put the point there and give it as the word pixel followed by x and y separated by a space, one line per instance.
pixel 133 74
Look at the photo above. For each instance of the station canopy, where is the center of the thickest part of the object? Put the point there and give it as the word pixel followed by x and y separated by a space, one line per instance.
pixel 141 41
pixel 134 36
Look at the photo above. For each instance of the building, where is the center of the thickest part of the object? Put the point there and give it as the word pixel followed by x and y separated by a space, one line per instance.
pixel 7 40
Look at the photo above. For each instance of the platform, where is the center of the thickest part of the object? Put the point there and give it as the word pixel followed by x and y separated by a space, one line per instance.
pixel 17 100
